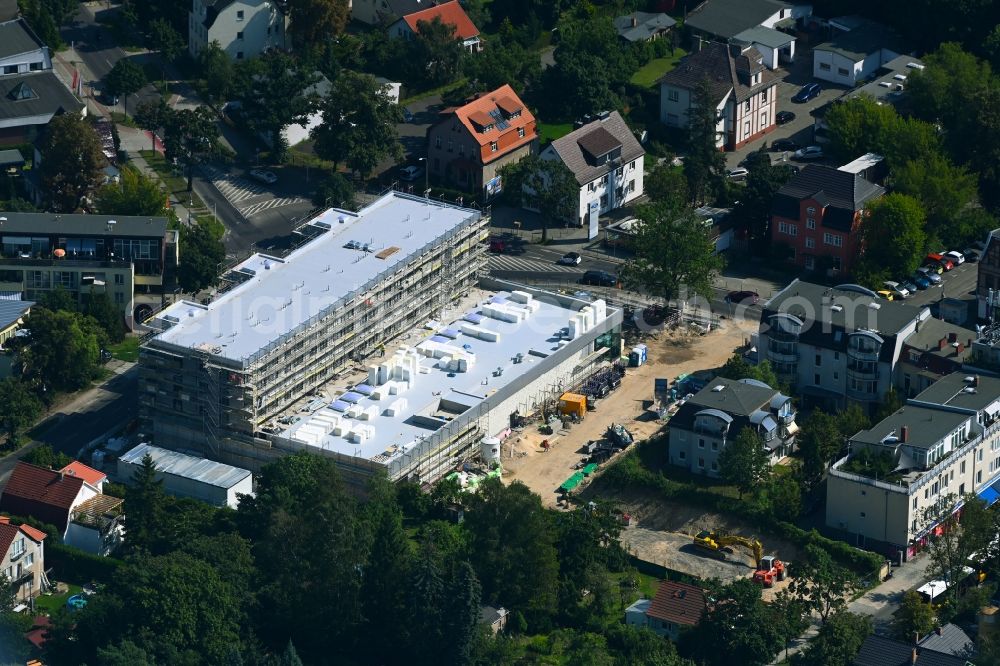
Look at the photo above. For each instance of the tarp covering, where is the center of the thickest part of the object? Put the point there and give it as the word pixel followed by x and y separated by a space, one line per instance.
pixel 572 482
pixel 363 389
pixel 339 406
pixel 473 318
pixel 990 494
pixel 590 469
pixel 351 396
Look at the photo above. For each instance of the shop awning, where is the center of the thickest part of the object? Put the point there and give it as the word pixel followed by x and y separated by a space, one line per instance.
pixel 990 494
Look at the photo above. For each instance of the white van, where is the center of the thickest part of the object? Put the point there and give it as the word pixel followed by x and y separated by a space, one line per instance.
pixel 896 288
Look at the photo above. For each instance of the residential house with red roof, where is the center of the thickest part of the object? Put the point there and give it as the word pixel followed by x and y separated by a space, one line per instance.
pixel 22 558
pixel 743 91
pixel 675 607
pixel 449 13
pixel 95 478
pixel 86 518
pixel 469 144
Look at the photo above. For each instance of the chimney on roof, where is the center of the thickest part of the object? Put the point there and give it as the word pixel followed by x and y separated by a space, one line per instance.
pixel 942 343
pixel 959 349
pixel 904 434
pixel 913 657
pixel 635 20
pixel 939 630
pixel 734 50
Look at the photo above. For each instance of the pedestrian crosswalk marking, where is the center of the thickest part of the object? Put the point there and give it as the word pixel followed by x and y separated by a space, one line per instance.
pixel 507 263
pixel 260 206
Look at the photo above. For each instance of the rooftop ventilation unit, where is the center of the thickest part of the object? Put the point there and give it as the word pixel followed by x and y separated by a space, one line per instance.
pixel 719 388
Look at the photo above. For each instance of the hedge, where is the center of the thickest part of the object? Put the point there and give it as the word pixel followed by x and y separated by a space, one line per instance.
pixel 72 564
pixel 628 472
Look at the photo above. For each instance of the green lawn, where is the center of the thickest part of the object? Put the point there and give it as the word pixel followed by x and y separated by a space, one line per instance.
pixel 650 73
pixel 126 350
pixel 552 131
pixel 50 603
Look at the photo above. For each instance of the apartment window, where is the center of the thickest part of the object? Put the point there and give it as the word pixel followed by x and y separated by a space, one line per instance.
pixel 746 127
pixel 763 95
pixel 961 489
pixel 520 132
pixel 701 463
pixel 35 67
pixel 437 142
pixel 682 455
pixel 824 66
pixel 863 514
pixel 119 298
pixel 451 146
pixel 763 119
pixel 816 380
pixel 836 376
pixel 18 548
pixel 701 443
pixel 239 35
pixel 672 119
pixel 789 229
pixel 810 243
pixel 810 223
pixel 239 15
pixel 961 468
pixel 715 446
pixel 914 502
pixel 493 146
pixel 833 239
pixel 119 278
pixel 715 466
pixel 811 210
pixel 819 360
pixel 842 71
pixel 746 106
pixel 979 476
pixel 673 95
pixel 29 559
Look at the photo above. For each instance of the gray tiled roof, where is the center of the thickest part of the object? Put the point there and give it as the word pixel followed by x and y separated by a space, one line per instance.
pixel 735 397
pixel 949 390
pixel 727 18
pixel 882 651
pixel 724 72
pixel 926 426
pixel 951 640
pixel 769 37
pixel 646 25
pixel 16 37
pixel 51 96
pixel 569 150
pixel 863 40
pixel 834 188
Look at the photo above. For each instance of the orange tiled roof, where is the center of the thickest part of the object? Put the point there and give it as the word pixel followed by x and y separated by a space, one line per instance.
pixel 450 13
pixel 478 111
pixel 88 474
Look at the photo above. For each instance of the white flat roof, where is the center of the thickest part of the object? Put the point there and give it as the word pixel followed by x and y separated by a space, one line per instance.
pixel 190 467
pixel 396 422
pixel 284 294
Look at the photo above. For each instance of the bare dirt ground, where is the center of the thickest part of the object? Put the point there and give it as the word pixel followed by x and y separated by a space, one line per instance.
pixel 670 354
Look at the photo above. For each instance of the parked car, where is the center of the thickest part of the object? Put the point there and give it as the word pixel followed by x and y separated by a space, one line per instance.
pixel 410 172
pixel 920 280
pixel 570 259
pixel 947 264
pixel 264 176
pixel 599 278
pixel 784 117
pixel 739 173
pixel 886 294
pixel 809 153
pixel 809 91
pixel 980 245
pixel 784 145
pixel 743 297
pixel 897 289
pixel 407 115
pixel 908 284
pixel 935 259
pixel 956 257
pixel 971 255
pixel 931 273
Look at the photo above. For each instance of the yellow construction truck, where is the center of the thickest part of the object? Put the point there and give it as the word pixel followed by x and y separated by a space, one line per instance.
pixel 769 568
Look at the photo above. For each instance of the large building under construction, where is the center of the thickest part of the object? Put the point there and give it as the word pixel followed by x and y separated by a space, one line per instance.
pixel 280 361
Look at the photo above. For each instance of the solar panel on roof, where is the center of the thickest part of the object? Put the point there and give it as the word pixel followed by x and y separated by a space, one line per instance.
pixel 502 123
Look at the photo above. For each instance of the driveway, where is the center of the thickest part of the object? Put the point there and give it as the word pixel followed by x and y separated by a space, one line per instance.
pixel 800 129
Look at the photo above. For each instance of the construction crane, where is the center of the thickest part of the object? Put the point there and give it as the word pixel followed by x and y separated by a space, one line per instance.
pixel 768 568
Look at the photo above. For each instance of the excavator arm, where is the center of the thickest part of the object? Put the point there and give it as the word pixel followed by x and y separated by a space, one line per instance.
pixel 717 542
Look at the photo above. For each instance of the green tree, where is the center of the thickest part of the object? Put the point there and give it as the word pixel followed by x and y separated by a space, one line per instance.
pixel 820 582
pixel 58 299
pixel 547 186
pixel 819 441
pixel 217 73
pixel 859 125
pixel 792 616
pixel 438 51
pixel 838 642
pixel 151 116
pixel 852 420
pixel 273 93
pixel 144 504
pixel 203 254
pixel 914 618
pixel 315 21
pixel 738 629
pixel 125 78
pixel 72 160
pixel 963 536
pixel 781 494
pixel 289 657
pixel 125 653
pixel 512 548
pixel 753 210
pixel 20 408
pixel 135 194
pixel 359 124
pixel 890 404
pixel 666 184
pixel 164 38
pixel 55 337
pixel 43 456
pixel 674 255
pixel 335 190
pixel 509 63
pixel 705 164
pixel 744 461
pixel 188 136
pixel 893 237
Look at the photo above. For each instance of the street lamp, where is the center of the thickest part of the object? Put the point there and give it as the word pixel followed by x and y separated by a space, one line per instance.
pixel 427 189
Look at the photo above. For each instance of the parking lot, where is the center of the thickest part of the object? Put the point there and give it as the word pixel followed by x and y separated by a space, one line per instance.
pixel 959 282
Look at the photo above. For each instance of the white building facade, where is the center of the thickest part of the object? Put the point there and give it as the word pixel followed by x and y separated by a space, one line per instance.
pixel 243 28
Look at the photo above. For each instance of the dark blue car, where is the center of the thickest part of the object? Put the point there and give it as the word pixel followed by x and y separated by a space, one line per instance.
pixel 808 91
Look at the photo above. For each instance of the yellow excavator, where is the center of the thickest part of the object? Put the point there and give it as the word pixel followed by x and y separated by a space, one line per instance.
pixel 769 569
pixel 717 545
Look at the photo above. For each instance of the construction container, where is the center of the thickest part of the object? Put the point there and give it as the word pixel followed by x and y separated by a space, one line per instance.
pixel 637 356
pixel 573 403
